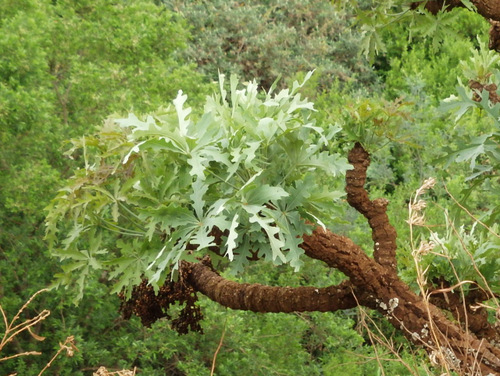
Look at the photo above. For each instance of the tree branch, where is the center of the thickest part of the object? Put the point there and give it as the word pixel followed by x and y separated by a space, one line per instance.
pixel 420 321
pixel 261 298
pixel 467 312
pixel 383 233
pixel 373 283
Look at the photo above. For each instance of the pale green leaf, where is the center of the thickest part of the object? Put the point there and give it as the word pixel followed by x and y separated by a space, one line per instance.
pixel 182 113
pixel 231 238
pixel 263 194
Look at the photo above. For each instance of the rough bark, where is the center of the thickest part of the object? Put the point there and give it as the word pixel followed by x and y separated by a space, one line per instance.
pixel 264 299
pixel 370 284
pixel 466 310
pixel 421 322
pixel 489 9
pixel 383 233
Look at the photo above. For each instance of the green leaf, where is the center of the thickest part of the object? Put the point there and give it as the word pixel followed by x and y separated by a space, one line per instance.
pixel 260 215
pixel 182 113
pixel 200 187
pixel 74 234
pixel 231 238
pixel 263 194
pixel 332 164
pixel 478 146
pixel 371 43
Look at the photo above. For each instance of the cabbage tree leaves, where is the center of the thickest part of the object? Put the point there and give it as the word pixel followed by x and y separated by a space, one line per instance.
pixel 240 180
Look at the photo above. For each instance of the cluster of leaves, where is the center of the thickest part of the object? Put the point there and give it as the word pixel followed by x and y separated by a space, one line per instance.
pixel 254 167
pixel 481 151
pixel 377 122
pixel 375 17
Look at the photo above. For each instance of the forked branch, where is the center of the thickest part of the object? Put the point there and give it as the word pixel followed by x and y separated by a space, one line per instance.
pixel 372 283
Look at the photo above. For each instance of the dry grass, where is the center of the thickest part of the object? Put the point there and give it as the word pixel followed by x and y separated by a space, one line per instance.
pixel 102 371
pixel 16 326
pixel 442 360
pixel 386 350
pixel 440 353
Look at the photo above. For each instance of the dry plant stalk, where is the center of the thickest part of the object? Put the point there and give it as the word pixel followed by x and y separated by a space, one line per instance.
pixel 416 217
pixel 212 370
pixel 12 328
pixel 440 352
pixel 377 337
pixel 68 345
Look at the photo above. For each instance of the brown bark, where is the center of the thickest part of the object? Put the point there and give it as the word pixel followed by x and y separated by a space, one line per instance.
pixel 421 322
pixel 264 299
pixel 383 233
pixel 465 309
pixel 494 43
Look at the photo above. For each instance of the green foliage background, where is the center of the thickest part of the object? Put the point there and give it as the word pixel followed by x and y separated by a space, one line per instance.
pixel 65 66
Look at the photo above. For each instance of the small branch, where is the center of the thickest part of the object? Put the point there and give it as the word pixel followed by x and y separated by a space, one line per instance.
pixel 218 349
pixel 12 330
pixel 21 354
pixel 68 345
pixel 383 233
pixel 469 313
pixel 435 6
pixel 489 9
pixel 27 304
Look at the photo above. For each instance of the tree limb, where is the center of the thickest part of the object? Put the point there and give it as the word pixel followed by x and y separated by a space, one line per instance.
pixel 489 9
pixel 420 321
pixel 383 233
pixel 261 298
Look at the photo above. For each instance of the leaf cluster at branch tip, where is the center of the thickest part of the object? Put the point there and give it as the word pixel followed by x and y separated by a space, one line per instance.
pixel 241 180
